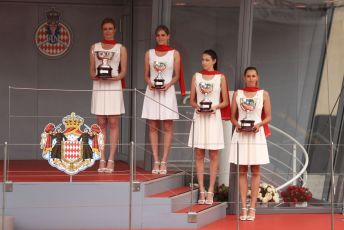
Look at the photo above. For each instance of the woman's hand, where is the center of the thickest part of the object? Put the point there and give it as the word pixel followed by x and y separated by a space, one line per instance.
pixel 151 86
pixel 237 128
pixel 166 87
pixel 197 108
pixel 256 127
pixel 214 107
pixel 95 78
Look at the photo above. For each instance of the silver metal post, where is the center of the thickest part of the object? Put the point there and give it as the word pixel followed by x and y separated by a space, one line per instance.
pixel 131 183
pixel 332 187
pixel 294 163
pixel 238 189
pixel 192 164
pixel 192 216
pixel 4 187
pixel 135 130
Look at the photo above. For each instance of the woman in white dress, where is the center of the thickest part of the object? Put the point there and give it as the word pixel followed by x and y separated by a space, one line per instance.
pixel 253 150
pixel 208 130
pixel 160 104
pixel 107 96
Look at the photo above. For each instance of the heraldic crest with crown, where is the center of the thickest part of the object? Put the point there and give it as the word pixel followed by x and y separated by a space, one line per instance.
pixel 70 149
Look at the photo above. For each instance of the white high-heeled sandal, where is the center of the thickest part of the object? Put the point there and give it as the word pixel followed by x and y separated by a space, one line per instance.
pixel 249 216
pixel 244 216
pixel 201 201
pixel 154 170
pixel 102 169
pixel 210 198
pixel 163 171
pixel 110 169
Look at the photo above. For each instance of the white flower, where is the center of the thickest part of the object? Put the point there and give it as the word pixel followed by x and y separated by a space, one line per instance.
pixel 248 192
pixel 269 196
pixel 260 196
pixel 264 185
pixel 265 200
pixel 276 199
pixel 269 189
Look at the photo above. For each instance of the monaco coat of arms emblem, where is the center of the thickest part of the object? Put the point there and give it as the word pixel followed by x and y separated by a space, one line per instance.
pixel 70 148
pixel 53 38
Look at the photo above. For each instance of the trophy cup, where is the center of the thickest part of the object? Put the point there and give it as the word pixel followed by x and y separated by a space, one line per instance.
pixel 159 67
pixel 104 70
pixel 248 105
pixel 205 104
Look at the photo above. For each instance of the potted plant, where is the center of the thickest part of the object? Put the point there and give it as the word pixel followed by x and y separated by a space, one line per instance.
pixel 297 195
pixel 221 193
pixel 267 194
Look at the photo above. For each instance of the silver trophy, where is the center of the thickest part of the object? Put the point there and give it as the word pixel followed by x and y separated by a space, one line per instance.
pixel 206 88
pixel 104 69
pixel 248 105
pixel 159 67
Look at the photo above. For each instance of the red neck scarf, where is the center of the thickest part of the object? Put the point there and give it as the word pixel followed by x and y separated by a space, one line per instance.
pixel 266 126
pixel 110 42
pixel 165 48
pixel 114 42
pixel 225 112
pixel 207 72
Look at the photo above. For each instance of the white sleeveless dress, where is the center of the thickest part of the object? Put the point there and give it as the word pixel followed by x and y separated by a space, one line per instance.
pixel 253 149
pixel 107 95
pixel 155 101
pixel 208 127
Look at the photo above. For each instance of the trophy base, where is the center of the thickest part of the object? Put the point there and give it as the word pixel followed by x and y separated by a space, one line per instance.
pixel 205 106
pixel 159 83
pixel 104 72
pixel 247 126
pixel 205 111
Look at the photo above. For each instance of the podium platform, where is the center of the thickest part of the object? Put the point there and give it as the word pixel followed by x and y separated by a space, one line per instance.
pixel 44 198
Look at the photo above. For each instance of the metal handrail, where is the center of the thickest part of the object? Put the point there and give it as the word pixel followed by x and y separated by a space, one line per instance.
pixel 305 154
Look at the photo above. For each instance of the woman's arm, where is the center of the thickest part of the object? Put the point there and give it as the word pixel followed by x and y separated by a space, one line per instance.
pixel 93 74
pixel 176 70
pixel 267 111
pixel 224 95
pixel 193 96
pixel 123 63
pixel 234 110
pixel 147 71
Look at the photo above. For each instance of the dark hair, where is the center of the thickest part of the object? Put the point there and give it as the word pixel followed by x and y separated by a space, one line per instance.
pixel 108 20
pixel 163 28
pixel 213 56
pixel 250 68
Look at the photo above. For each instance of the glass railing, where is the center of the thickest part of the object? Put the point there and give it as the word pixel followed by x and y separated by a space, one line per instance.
pixel 132 196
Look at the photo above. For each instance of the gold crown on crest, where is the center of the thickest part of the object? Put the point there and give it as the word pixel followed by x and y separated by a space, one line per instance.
pixel 72 121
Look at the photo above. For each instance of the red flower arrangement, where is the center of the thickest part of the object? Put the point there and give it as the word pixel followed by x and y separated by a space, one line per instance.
pixel 296 194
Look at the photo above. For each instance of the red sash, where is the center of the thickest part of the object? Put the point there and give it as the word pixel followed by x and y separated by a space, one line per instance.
pixel 114 42
pixel 165 48
pixel 266 126
pixel 225 112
